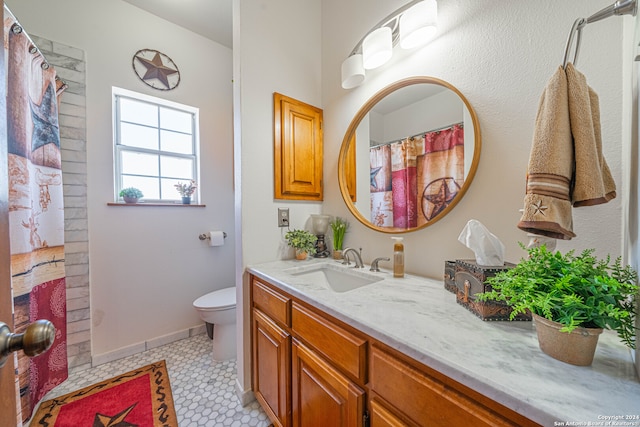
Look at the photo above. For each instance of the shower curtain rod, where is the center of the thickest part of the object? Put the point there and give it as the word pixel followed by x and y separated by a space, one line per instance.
pixel 418 134
pixel 17 28
pixel 621 7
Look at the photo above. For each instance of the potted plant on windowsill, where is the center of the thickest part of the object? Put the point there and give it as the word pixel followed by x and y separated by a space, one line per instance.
pixel 302 241
pixel 131 194
pixel 576 296
pixel 186 190
pixel 339 227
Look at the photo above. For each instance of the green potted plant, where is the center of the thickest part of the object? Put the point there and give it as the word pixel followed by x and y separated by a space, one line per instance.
pixel 339 227
pixel 302 241
pixel 576 296
pixel 131 194
pixel 186 190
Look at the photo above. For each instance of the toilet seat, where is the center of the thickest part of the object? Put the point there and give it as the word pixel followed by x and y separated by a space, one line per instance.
pixel 221 299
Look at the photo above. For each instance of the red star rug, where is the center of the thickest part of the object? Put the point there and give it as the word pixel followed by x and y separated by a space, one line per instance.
pixel 140 398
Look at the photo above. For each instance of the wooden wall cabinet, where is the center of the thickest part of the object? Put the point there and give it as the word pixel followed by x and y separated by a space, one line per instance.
pixel 298 149
pixel 312 370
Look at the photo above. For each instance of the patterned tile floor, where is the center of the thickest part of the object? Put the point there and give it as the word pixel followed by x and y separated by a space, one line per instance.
pixel 203 392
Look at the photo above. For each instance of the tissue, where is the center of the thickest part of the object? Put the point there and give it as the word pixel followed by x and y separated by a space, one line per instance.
pixel 216 238
pixel 489 250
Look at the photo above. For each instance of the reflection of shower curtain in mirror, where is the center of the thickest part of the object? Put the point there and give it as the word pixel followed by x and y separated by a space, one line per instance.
pixel 36 213
pixel 440 171
pixel 403 172
pixel 415 179
pixel 380 186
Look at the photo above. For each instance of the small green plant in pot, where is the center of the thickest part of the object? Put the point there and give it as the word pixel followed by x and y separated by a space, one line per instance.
pixel 571 293
pixel 339 227
pixel 302 241
pixel 131 194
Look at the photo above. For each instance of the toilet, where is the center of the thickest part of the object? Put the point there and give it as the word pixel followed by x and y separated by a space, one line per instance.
pixel 218 308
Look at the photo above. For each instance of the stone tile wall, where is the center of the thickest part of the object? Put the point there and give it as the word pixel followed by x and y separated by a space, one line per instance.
pixel 70 65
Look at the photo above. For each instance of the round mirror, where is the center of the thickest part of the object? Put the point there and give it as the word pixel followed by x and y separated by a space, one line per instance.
pixel 409 155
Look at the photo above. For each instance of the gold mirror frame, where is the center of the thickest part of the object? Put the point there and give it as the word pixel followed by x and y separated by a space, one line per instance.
pixel 343 168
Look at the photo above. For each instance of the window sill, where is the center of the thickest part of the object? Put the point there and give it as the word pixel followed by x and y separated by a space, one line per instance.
pixel 139 204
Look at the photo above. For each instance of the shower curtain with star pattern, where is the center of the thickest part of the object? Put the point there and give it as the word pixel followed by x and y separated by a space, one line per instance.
pixel 36 212
pixel 415 179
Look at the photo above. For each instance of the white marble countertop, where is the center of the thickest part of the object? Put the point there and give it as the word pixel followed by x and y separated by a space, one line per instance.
pixel 501 360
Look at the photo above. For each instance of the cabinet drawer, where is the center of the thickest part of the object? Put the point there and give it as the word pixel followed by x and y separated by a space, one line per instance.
pixel 428 400
pixel 345 349
pixel 271 302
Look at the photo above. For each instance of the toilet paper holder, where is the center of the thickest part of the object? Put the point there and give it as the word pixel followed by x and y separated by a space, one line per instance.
pixel 205 236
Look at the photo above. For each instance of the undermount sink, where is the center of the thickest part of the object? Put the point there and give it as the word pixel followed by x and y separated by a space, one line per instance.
pixel 335 277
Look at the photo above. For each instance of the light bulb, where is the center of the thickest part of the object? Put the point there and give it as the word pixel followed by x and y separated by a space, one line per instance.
pixel 377 48
pixel 418 24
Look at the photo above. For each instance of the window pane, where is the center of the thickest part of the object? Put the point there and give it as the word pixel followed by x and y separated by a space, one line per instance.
pixel 148 186
pixel 138 136
pixel 138 112
pixel 175 120
pixel 155 145
pixel 169 192
pixel 134 163
pixel 176 142
pixel 178 168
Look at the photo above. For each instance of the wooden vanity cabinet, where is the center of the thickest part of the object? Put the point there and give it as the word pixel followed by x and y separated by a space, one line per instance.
pixel 271 352
pixel 407 393
pixel 307 370
pixel 310 370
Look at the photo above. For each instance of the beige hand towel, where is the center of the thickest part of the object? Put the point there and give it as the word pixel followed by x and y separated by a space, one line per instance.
pixel 566 165
pixel 547 204
pixel 593 183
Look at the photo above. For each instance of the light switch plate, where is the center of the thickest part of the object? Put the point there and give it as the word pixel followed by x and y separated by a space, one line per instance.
pixel 283 217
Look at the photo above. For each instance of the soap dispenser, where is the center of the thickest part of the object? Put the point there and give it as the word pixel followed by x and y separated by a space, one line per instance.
pixel 398 257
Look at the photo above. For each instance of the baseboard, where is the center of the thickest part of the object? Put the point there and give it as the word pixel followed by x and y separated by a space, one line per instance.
pixel 146 345
pixel 244 396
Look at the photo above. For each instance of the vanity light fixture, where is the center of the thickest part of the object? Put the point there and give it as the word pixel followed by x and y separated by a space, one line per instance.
pixel 412 25
pixel 418 24
pixel 377 48
pixel 352 71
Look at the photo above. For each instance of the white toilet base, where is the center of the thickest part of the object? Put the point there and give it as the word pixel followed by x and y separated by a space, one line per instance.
pixel 224 342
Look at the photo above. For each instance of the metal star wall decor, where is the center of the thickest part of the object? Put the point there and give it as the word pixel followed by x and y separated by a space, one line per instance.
pixel 156 69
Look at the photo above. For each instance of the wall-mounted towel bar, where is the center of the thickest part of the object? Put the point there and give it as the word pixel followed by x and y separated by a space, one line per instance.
pixel 621 7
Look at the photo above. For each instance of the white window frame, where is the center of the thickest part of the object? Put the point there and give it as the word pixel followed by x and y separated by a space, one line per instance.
pixel 117 94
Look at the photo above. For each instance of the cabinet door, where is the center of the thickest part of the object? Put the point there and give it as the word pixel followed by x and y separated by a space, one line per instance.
pixel 382 417
pixel 321 395
pixel 297 149
pixel 272 368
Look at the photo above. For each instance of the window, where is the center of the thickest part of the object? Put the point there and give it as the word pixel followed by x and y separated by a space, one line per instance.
pixel 156 145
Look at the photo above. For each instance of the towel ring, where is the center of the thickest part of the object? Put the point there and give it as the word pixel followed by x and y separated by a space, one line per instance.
pixel 576 28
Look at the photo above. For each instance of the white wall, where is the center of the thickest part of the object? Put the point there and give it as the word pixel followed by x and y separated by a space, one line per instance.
pixel 146 263
pixel 631 77
pixel 276 49
pixel 500 56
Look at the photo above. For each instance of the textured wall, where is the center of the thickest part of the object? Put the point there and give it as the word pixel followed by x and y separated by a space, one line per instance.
pixel 500 56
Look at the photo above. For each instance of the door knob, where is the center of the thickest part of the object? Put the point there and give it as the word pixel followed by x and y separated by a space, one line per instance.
pixel 36 339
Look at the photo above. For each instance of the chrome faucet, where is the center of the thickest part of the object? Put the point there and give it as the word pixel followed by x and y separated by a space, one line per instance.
pixel 374 264
pixel 357 256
